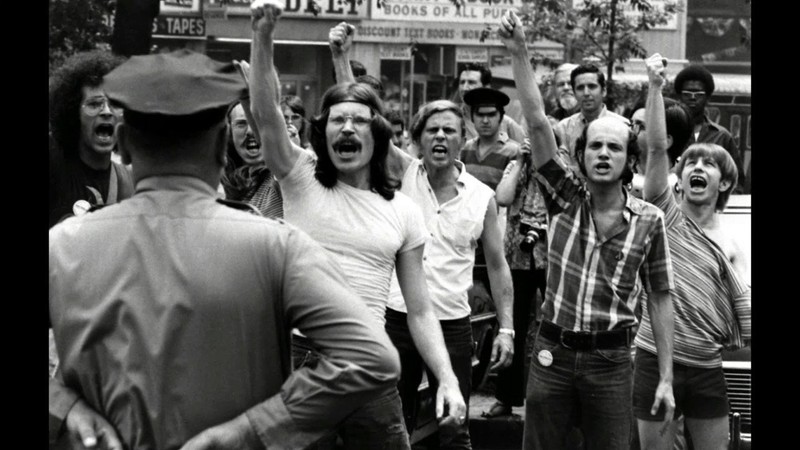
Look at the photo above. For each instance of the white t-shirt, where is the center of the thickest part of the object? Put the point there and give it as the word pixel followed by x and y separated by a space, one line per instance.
pixel 363 231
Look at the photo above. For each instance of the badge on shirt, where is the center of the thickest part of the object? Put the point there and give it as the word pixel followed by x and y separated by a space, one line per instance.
pixel 545 358
pixel 80 207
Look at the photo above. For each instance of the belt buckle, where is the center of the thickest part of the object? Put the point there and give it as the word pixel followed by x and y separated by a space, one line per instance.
pixel 561 339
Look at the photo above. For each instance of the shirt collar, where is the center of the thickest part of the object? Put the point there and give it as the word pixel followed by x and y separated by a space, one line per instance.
pixel 174 183
pixel 603 110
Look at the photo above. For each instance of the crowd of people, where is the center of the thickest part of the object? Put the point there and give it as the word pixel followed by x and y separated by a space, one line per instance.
pixel 228 271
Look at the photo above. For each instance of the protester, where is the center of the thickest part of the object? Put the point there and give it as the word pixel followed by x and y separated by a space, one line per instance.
pixel 246 177
pixel 566 103
pixel 458 210
pixel 83 129
pixel 487 155
pixel 398 129
pixel 712 299
pixel 601 243
pixel 694 85
pixel 294 114
pixel 526 253
pixel 589 86
pixel 343 197
pixel 472 76
pixel 186 335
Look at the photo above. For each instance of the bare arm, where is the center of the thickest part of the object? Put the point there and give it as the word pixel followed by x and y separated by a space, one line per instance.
pixel 340 40
pixel 656 179
pixel 427 332
pixel 539 130
pixel 501 285
pixel 659 305
pixel 279 152
pixel 506 189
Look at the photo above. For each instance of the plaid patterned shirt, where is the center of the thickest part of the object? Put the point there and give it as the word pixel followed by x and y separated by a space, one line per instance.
pixel 590 282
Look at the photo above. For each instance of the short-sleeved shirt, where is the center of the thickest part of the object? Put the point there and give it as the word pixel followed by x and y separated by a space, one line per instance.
pixel 168 311
pixel 363 231
pixel 590 282
pixel 527 207
pixel 489 168
pixel 454 228
pixel 711 301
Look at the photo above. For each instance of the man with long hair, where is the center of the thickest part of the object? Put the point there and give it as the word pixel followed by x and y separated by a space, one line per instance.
pixel 343 197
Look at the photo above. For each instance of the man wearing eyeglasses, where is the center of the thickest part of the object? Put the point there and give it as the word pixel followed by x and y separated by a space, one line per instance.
pixel 343 197
pixel 694 86
pixel 83 138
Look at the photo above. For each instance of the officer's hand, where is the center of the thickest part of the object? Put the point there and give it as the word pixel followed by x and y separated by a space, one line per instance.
pixel 449 394
pixel 233 435
pixel 340 38
pixel 511 33
pixel 656 70
pixel 264 16
pixel 502 351
pixel 664 395
pixel 89 430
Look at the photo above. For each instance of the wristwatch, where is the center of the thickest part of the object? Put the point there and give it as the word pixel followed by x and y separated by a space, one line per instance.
pixel 508 331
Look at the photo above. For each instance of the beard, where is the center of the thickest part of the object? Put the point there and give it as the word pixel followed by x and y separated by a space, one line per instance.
pixel 567 102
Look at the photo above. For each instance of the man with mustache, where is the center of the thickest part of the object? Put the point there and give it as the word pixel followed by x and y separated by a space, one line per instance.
pixel 601 243
pixel 566 103
pixel 589 85
pixel 343 197
pixel 176 328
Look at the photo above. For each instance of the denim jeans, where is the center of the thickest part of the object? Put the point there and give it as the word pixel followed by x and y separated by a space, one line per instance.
pixel 591 390
pixel 458 340
pixel 378 425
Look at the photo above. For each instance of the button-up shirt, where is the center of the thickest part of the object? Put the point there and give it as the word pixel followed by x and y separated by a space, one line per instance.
pixel 590 278
pixel 169 310
pixel 454 227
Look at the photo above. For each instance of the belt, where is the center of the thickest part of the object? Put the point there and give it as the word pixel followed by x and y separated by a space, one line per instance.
pixel 587 340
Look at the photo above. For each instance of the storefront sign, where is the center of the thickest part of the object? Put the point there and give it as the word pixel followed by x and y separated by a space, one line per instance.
pixel 472 11
pixel 171 26
pixel 472 54
pixel 425 33
pixel 180 6
pixel 343 9
pixel 395 52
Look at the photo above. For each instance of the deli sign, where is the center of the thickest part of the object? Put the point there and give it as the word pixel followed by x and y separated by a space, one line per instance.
pixel 341 9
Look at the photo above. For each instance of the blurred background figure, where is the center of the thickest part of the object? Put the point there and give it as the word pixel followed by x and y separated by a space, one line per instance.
pixel 294 113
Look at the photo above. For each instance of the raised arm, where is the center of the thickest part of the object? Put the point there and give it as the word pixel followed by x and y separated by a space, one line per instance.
pixel 501 285
pixel 340 39
pixel 279 152
pixel 539 130
pixel 656 178
pixel 506 189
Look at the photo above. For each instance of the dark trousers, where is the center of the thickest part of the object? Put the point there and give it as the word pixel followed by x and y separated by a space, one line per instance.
pixel 511 381
pixel 458 339
pixel 592 390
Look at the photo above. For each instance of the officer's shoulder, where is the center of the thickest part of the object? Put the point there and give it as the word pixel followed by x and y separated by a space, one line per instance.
pixel 241 206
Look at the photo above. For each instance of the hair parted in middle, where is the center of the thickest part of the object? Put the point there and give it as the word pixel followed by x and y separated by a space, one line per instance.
pixel 326 172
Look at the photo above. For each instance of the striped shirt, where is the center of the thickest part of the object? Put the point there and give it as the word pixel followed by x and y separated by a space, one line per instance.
pixel 590 282
pixel 489 168
pixel 711 301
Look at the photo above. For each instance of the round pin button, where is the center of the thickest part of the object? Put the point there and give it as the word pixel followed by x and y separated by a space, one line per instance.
pixel 545 358
pixel 80 207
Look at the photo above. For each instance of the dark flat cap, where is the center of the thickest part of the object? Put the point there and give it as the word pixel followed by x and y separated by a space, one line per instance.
pixel 486 96
pixel 178 83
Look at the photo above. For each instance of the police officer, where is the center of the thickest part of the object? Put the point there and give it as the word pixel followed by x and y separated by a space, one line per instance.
pixel 174 332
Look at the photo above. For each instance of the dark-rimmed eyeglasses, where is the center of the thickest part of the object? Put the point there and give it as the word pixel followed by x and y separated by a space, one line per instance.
pixel 93 106
pixel 637 126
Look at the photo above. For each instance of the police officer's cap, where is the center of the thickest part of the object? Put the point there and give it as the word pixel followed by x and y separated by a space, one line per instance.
pixel 484 96
pixel 180 88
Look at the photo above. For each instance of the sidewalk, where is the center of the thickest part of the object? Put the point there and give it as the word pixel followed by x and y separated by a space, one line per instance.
pixel 502 433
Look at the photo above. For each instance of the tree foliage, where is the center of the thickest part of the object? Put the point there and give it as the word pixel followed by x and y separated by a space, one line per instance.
pixel 76 26
pixel 585 31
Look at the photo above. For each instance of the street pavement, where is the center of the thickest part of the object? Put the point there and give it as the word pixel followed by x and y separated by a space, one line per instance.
pixel 501 433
